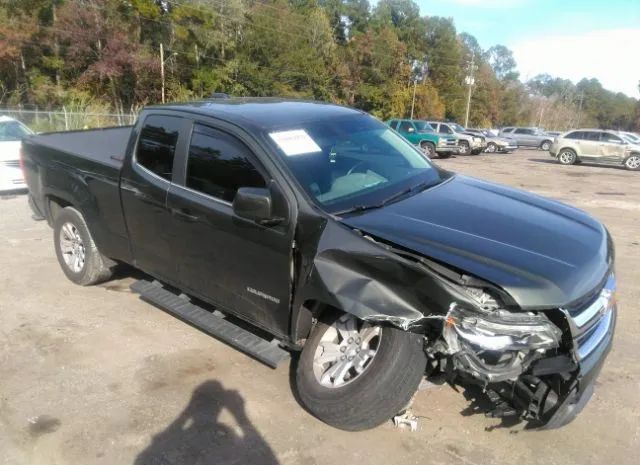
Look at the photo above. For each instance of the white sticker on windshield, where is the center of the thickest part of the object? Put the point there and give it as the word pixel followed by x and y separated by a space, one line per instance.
pixel 295 142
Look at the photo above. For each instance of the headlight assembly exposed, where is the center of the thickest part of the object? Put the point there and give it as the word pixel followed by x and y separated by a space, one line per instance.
pixel 499 330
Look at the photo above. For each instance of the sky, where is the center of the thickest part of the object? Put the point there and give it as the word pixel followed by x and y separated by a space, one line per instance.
pixel 570 39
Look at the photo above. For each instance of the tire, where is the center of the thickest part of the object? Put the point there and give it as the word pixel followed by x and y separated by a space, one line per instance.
pixel 464 147
pixel 546 145
pixel 633 162
pixel 428 148
pixel 491 148
pixel 567 157
pixel 69 227
pixel 384 387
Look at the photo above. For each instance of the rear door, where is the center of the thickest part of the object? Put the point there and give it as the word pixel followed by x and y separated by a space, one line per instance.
pixel 238 264
pixel 144 185
pixel 612 147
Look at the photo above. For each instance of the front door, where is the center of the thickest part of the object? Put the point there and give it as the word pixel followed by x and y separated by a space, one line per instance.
pixel 144 186
pixel 237 264
pixel 612 147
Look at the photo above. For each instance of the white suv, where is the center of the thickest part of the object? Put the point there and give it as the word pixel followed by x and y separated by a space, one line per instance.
pixel 596 146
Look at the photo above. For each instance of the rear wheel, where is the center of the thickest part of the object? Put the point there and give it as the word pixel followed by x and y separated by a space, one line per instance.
pixel 428 148
pixel 491 148
pixel 633 162
pixel 354 375
pixel 567 157
pixel 546 145
pixel 77 254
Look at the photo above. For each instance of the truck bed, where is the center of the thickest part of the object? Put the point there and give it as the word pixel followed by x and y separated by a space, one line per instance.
pixel 81 168
pixel 105 145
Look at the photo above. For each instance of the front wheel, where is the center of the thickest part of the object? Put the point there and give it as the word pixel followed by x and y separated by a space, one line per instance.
pixel 491 148
pixel 632 162
pixel 354 375
pixel 464 147
pixel 546 145
pixel 428 148
pixel 77 254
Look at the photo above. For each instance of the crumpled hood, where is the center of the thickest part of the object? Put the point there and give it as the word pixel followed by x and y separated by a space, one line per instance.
pixel 543 253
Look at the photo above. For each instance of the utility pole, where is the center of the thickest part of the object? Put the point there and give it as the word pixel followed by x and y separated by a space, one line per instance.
pixel 469 80
pixel 162 68
pixel 413 101
pixel 419 70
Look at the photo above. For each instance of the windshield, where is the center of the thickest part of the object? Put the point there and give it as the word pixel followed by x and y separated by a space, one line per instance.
pixel 352 161
pixel 457 127
pixel 423 126
pixel 13 130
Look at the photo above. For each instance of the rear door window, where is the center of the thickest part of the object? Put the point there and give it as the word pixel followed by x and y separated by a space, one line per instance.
pixel 157 144
pixel 393 124
pixel 592 136
pixel 219 164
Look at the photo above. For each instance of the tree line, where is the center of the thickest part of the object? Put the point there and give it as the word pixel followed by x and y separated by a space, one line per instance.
pixel 104 55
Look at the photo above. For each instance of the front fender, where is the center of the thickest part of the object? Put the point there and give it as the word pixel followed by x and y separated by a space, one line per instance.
pixel 353 273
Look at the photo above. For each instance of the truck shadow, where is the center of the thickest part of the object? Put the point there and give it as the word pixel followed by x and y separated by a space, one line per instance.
pixel 198 436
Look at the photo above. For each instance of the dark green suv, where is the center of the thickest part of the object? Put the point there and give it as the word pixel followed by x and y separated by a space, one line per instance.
pixel 422 134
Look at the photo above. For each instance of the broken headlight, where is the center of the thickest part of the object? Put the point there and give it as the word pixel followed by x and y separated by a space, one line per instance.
pixel 500 330
pixel 493 344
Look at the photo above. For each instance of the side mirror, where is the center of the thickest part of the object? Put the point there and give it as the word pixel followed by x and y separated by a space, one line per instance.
pixel 255 204
pixel 411 130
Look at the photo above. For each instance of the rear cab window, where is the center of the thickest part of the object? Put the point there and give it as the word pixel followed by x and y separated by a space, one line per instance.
pixel 157 144
pixel 405 126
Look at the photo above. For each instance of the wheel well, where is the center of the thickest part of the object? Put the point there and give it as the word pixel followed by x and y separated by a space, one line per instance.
pixel 425 141
pixel 568 148
pixel 54 205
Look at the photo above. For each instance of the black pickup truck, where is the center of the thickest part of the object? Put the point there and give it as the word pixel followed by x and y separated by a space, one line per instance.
pixel 309 228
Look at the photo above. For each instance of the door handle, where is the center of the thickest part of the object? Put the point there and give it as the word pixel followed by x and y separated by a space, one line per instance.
pixel 184 213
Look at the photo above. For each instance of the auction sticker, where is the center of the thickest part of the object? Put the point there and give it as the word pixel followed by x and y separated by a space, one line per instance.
pixel 296 142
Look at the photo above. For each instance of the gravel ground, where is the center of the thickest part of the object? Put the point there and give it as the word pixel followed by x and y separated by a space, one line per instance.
pixel 96 376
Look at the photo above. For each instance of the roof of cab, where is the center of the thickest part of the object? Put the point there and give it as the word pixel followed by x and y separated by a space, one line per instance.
pixel 263 113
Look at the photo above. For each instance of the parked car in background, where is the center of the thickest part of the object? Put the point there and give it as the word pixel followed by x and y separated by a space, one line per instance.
pixel 554 133
pixel 11 133
pixel 468 142
pixel 495 144
pixel 529 137
pixel 596 146
pixel 420 133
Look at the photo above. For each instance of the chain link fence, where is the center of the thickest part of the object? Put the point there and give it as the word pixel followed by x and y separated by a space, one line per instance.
pixel 64 120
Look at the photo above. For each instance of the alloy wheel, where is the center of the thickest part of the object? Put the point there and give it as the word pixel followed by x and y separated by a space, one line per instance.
pixel 72 247
pixel 345 351
pixel 633 162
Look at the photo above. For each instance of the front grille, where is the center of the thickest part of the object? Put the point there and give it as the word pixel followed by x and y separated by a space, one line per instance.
pixel 451 142
pixel 591 318
pixel 11 163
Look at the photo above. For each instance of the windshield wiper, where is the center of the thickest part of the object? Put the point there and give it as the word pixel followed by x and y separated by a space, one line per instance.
pixel 359 208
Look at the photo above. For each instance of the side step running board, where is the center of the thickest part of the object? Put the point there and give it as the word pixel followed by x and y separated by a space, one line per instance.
pixel 217 326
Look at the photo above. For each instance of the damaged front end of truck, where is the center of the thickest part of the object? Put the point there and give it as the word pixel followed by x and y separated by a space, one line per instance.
pixel 538 365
